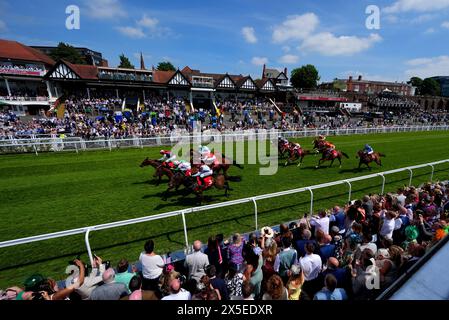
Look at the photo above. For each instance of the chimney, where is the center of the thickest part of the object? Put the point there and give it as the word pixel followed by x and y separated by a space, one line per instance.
pixel 360 78
pixel 285 72
pixel 263 71
pixel 350 78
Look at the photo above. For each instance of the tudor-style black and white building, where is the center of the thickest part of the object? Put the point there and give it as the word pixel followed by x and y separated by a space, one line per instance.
pixel 226 82
pixel 179 79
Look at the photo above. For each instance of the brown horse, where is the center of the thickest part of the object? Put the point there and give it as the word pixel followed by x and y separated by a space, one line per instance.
pixel 219 181
pixel 223 164
pixel 296 154
pixel 160 169
pixel 368 158
pixel 329 155
pixel 178 179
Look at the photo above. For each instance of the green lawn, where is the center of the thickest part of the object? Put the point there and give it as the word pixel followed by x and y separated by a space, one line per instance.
pixel 58 191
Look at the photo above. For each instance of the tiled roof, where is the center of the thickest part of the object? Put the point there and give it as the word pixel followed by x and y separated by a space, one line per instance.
pixel 17 51
pixel 87 72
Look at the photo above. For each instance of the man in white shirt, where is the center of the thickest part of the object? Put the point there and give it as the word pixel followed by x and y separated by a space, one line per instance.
pixel 320 222
pixel 311 266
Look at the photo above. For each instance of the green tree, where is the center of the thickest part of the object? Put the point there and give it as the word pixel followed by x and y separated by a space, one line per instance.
pixel 125 63
pixel 305 77
pixel 165 66
pixel 416 82
pixel 430 87
pixel 67 52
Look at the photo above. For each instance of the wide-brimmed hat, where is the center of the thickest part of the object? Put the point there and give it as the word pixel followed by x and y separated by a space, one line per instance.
pixel 267 232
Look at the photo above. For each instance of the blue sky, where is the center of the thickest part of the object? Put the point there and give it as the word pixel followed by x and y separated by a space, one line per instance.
pixel 239 36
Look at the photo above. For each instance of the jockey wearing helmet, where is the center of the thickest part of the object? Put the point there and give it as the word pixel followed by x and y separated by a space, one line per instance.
pixel 204 172
pixel 207 157
pixel 282 141
pixel 368 149
pixel 168 158
pixel 184 167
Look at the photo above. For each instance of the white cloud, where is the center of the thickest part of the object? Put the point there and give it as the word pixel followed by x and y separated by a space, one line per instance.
pixel 391 18
pixel 258 61
pixel 296 27
pixel 423 18
pixel 289 59
pixel 3 27
pixel 104 9
pixel 445 24
pixel 147 22
pixel 132 32
pixel 417 5
pixel 249 34
pixel 429 31
pixel 328 44
pixel 286 49
pixel 428 67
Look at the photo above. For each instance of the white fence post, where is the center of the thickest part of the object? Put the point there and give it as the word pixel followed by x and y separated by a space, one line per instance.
pixel 350 190
pixel 255 213
pixel 185 229
pixel 411 176
pixel 431 175
pixel 89 251
pixel 311 200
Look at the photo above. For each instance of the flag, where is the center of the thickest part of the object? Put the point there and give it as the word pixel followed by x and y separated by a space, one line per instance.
pixel 138 104
pixel 123 104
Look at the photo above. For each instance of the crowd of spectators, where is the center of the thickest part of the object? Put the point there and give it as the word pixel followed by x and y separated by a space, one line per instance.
pixel 102 115
pixel 346 253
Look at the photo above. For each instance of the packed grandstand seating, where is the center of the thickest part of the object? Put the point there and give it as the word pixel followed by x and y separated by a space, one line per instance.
pixel 330 256
pixel 392 101
pixel 101 115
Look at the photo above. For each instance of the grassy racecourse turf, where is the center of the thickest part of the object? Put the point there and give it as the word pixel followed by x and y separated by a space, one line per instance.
pixel 58 191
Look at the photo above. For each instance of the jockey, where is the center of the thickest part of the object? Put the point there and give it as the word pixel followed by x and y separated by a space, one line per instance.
pixel 168 158
pixel 184 167
pixel 207 156
pixel 204 172
pixel 368 149
pixel 282 141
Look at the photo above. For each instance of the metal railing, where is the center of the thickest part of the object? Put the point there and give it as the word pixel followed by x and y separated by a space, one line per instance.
pixel 184 212
pixel 36 145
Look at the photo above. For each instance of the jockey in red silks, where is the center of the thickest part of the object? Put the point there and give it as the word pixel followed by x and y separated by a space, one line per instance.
pixel 204 177
pixel 295 147
pixel 167 159
pixel 208 157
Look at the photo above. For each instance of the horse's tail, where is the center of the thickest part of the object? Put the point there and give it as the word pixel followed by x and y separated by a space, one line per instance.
pixel 347 157
pixel 382 154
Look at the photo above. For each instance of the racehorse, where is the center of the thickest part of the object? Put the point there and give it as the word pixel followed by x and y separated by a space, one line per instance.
pixel 331 156
pixel 321 145
pixel 178 179
pixel 283 149
pixel 222 164
pixel 161 170
pixel 367 158
pixel 219 181
pixel 295 154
